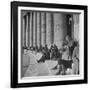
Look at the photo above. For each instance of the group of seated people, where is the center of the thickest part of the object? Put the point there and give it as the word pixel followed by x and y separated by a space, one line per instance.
pixel 52 53
pixel 66 56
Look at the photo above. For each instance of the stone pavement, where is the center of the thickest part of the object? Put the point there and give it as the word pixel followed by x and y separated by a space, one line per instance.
pixel 40 69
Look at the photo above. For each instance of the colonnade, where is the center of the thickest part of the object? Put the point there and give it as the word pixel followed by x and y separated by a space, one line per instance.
pixel 35 31
pixel 41 28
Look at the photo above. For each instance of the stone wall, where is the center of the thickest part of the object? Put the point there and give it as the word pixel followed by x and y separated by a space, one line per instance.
pixel 60 28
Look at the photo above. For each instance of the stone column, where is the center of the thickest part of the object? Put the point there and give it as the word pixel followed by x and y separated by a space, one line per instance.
pixel 34 29
pixel 49 29
pixel 38 29
pixel 27 30
pixel 43 28
pixel 31 29
pixel 52 28
pixel 24 31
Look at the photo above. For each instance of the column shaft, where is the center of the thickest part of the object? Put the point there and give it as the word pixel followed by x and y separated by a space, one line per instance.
pixel 43 28
pixel 27 30
pixel 23 32
pixel 30 29
pixel 38 29
pixel 34 29
pixel 31 34
pixel 52 28
pixel 49 29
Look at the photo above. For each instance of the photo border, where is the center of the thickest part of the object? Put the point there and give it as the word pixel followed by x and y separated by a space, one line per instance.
pixel 14 43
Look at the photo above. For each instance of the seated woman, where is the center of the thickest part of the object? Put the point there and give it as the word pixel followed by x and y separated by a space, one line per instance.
pixel 54 53
pixel 45 54
pixel 51 52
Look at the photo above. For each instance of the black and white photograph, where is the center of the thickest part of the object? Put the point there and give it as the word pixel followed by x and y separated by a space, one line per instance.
pixel 50 44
